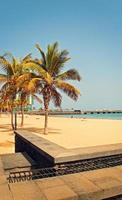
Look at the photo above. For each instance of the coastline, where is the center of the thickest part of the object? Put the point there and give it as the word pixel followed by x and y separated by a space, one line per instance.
pixel 83 117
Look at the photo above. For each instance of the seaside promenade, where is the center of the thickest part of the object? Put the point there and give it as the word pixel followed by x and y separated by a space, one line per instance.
pixel 92 185
pixel 69 140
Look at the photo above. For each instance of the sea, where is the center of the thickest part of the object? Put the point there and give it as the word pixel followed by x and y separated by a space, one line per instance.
pixel 96 116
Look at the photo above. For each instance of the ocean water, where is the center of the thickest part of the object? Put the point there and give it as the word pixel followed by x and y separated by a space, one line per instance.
pixel 96 116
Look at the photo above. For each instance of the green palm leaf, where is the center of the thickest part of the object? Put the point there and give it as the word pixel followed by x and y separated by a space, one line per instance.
pixel 42 54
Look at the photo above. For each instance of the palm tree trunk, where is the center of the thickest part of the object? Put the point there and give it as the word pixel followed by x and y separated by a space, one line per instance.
pixel 12 119
pixel 46 122
pixel 46 98
pixel 22 115
pixel 15 121
pixel 46 105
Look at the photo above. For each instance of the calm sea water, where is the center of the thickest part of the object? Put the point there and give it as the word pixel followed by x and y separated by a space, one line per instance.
pixel 96 116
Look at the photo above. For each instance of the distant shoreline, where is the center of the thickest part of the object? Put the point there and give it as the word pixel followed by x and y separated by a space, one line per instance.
pixel 110 115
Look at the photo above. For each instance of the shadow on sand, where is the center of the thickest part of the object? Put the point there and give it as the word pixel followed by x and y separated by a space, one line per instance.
pixel 7 128
pixel 6 144
pixel 41 130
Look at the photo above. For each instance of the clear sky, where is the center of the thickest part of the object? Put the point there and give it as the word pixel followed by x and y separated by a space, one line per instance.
pixel 91 30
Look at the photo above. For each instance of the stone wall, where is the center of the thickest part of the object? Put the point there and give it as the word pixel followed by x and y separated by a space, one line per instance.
pixel 41 158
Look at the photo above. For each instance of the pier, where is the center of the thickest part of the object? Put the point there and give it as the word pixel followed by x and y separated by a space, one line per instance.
pixel 75 112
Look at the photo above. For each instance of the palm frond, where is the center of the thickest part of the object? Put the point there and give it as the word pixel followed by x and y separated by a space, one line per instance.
pixel 3 78
pixel 6 66
pixel 34 65
pixel 71 74
pixel 13 61
pixel 40 71
pixel 52 52
pixel 27 57
pixel 22 78
pixel 68 89
pixel 32 85
pixel 37 98
pixel 56 59
pixel 4 87
pixel 15 65
pixel 56 97
pixel 42 54
pixel 40 63
pixel 63 58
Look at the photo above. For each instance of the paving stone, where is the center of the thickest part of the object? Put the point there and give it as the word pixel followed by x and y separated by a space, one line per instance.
pixel 1 164
pixel 106 180
pixel 82 186
pixel 1 171
pixel 62 192
pixel 1 167
pixel 26 191
pixel 115 172
pixel 2 179
pixel 16 160
pixel 5 193
pixel 50 182
pixel 119 167
pixel 111 187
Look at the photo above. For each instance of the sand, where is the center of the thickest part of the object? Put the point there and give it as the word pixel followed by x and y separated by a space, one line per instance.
pixel 6 135
pixel 66 132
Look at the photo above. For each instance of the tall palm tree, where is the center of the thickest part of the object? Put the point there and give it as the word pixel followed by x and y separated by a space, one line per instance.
pixel 51 79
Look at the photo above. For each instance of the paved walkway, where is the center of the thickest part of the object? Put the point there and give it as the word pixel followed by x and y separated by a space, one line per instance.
pixel 92 185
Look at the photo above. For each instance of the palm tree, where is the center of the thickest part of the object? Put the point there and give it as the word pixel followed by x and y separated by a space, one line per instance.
pixel 11 70
pixel 51 79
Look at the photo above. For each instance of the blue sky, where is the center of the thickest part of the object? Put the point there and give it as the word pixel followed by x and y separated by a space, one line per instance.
pixel 91 30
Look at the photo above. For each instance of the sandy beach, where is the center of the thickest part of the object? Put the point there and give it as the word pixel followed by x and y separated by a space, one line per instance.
pixel 66 132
